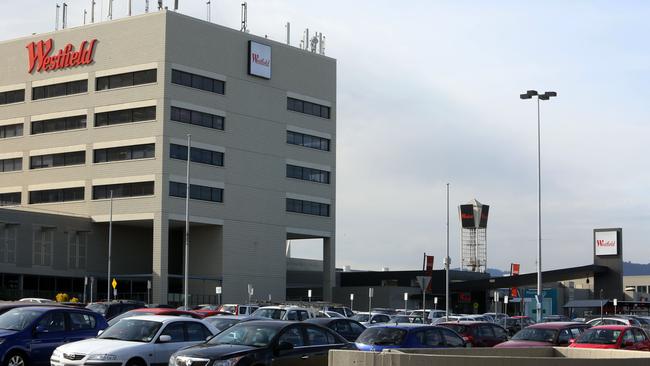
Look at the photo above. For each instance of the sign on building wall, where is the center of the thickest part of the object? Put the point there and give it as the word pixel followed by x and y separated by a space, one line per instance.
pixel 42 57
pixel 606 243
pixel 259 60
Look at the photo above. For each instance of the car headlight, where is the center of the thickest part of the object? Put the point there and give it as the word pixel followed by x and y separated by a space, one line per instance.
pixel 229 362
pixel 102 357
pixel 56 353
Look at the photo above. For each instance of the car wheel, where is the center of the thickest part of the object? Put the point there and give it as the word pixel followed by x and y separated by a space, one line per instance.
pixel 15 359
pixel 135 362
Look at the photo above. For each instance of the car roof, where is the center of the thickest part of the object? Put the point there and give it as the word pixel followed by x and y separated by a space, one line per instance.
pixel 162 318
pixel 556 325
pixel 614 327
pixel 468 322
pixel 228 317
pixel 404 326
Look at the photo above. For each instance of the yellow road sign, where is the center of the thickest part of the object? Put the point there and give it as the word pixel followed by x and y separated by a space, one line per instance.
pixel 114 283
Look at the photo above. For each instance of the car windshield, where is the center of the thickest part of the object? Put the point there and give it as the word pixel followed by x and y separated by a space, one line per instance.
pixel 221 323
pixel 381 336
pixel 599 336
pixel 269 313
pixel 229 308
pixel 98 308
pixel 536 335
pixel 128 314
pixel 134 330
pixel 246 334
pixel 361 317
pixel 19 318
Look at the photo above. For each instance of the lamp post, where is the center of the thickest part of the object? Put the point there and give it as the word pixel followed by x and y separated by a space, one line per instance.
pixel 546 96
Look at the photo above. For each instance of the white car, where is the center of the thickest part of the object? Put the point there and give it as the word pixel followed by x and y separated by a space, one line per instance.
pixel 283 313
pixel 37 300
pixel 136 341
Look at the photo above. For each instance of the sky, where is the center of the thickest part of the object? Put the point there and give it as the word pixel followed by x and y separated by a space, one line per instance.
pixel 428 94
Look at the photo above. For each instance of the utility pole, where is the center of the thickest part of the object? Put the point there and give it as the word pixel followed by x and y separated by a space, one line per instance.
pixel 186 279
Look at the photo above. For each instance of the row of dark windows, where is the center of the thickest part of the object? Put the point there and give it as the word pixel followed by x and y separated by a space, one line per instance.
pixel 58 90
pixel 197 192
pixel 314 142
pixel 306 107
pixel 310 174
pixel 10 199
pixel 308 207
pixel 123 190
pixel 11 130
pixel 62 159
pixel 12 96
pixel 124 153
pixel 59 124
pixel 126 79
pixel 11 165
pixel 198 82
pixel 125 116
pixel 57 195
pixel 197 118
pixel 197 155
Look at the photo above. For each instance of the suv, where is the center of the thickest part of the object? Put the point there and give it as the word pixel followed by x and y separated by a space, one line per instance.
pixel 479 334
pixel 283 313
pixel 114 308
pixel 238 309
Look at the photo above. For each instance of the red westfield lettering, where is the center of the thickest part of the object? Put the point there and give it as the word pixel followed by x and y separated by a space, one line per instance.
pixel 41 57
pixel 260 61
pixel 466 216
pixel 605 243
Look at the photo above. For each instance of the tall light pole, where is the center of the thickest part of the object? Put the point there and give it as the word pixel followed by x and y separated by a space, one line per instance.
pixel 186 280
pixel 546 96
pixel 447 263
pixel 110 244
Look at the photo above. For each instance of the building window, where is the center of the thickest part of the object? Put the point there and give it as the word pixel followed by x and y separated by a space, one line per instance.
pixel 123 190
pixel 642 289
pixel 11 130
pixel 57 195
pixel 197 192
pixel 310 174
pixel 58 90
pixel 125 116
pixel 126 79
pixel 77 248
pixel 62 159
pixel 197 118
pixel 197 155
pixel 59 124
pixel 313 142
pixel 10 199
pixel 43 246
pixel 308 207
pixel 124 153
pixel 11 165
pixel 12 96
pixel 198 82
pixel 306 107
pixel 8 238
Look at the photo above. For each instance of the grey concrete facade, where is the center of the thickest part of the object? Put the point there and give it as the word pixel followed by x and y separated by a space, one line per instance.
pixel 236 242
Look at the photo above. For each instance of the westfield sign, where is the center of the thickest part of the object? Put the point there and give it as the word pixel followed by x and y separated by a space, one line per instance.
pixel 42 57
pixel 605 243
pixel 260 60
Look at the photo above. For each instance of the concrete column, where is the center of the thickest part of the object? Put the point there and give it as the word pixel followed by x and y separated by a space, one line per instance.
pixel 159 283
pixel 329 268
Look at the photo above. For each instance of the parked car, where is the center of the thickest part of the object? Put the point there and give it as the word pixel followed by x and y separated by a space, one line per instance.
pixel 347 328
pixel 328 314
pixel 154 311
pixel 37 300
pixel 265 343
pixel 283 313
pixel 6 306
pixel 517 323
pixel 479 334
pixel 343 310
pixel 223 322
pixel 614 321
pixel 555 318
pixel 236 309
pixel 30 334
pixel 553 334
pixel 142 340
pixel 405 319
pixel 434 315
pixel 114 308
pixel 497 317
pixel 368 319
pixel 382 337
pixel 613 337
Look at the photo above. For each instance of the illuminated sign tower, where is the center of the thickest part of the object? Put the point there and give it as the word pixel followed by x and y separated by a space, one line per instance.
pixel 473 236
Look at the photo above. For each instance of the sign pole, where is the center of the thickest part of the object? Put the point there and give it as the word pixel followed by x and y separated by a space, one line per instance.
pixel 92 279
pixel 370 293
pixel 186 279
pixel 352 302
pixel 615 303
pixel 110 244
pixel 505 305
pixel 447 263
pixel 406 299
pixel 85 285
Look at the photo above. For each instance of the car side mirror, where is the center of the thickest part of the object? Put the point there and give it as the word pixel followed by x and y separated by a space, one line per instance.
pixel 100 332
pixel 164 338
pixel 283 346
pixel 39 329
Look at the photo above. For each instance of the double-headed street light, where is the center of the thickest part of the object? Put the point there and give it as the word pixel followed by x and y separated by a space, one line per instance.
pixel 546 96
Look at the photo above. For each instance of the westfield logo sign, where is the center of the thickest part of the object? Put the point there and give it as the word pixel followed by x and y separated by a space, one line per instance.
pixel 42 57
pixel 260 60
pixel 605 243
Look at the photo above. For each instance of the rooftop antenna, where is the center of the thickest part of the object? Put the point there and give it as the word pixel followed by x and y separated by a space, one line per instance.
pixel 92 11
pixel 288 26
pixel 65 15
pixel 110 9
pixel 130 7
pixel 244 17
pixel 302 43
pixel 208 10
pixel 321 44
pixel 314 43
pixel 146 6
pixel 306 39
pixel 85 12
pixel 56 22
pixel 175 5
pixel 160 4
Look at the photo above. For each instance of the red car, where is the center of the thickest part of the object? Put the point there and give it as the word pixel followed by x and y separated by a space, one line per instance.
pixel 613 337
pixel 478 334
pixel 556 334
pixel 154 311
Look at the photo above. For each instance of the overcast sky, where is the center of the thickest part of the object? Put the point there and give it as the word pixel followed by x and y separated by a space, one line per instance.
pixel 428 93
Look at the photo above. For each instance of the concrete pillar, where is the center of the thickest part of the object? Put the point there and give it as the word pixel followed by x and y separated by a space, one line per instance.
pixel 329 268
pixel 159 283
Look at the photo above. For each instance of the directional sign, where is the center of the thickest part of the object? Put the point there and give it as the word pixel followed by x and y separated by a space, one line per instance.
pixel 218 290
pixel 423 281
pixel 114 284
pixel 615 302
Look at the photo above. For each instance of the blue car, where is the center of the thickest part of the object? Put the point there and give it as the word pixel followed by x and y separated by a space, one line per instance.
pixel 29 335
pixel 382 337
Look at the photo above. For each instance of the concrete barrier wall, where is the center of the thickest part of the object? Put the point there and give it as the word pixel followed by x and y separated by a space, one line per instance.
pixel 491 357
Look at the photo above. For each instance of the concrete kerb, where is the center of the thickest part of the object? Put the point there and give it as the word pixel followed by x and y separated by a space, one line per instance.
pixel 490 357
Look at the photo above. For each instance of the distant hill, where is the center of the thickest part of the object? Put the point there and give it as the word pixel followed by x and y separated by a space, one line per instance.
pixel 497 272
pixel 629 269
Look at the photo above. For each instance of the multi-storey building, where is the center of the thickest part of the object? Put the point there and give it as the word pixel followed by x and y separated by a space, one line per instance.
pixel 108 107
